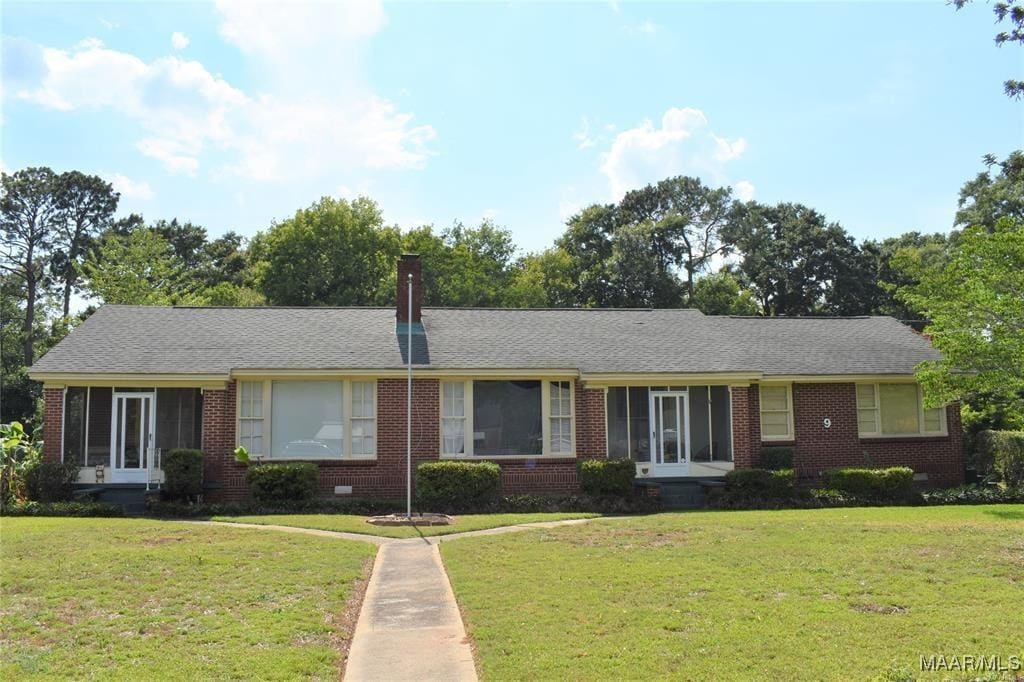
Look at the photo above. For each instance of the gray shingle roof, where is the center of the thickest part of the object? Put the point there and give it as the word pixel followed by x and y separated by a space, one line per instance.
pixel 155 340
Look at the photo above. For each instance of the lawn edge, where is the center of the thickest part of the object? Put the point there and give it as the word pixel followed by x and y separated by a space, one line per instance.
pixel 350 613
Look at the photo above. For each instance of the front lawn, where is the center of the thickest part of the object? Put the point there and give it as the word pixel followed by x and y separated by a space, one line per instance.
pixel 814 594
pixel 139 600
pixel 347 523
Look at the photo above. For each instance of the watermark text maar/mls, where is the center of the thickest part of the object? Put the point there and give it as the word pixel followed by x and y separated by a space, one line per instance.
pixel 972 663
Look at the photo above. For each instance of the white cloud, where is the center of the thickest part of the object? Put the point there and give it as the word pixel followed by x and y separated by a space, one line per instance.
pixel 646 27
pixel 89 43
pixel 682 144
pixel 582 135
pixel 744 190
pixel 109 25
pixel 294 127
pixel 179 41
pixel 130 189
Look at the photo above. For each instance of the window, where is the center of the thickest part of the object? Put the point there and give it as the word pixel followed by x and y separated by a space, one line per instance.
pixel 250 417
pixel 179 418
pixel 308 419
pixel 896 410
pixel 76 414
pixel 364 418
pixel 502 418
pixel 776 412
pixel 453 418
pixel 560 415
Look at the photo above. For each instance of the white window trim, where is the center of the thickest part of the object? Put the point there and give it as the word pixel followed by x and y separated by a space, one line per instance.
pixel 943 427
pixel 268 407
pixel 545 397
pixel 791 435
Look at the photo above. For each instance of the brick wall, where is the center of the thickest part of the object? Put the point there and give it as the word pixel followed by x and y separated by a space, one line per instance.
pixel 385 477
pixel 53 422
pixel 746 426
pixel 818 448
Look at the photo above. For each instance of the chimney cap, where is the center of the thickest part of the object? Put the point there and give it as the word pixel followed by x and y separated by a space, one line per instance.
pixel 410 256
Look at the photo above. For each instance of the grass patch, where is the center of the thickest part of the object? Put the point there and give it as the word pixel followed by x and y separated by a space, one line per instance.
pixel 347 523
pixel 803 594
pixel 136 599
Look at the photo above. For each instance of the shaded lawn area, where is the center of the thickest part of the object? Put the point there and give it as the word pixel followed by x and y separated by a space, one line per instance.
pixel 812 594
pixel 357 524
pixel 135 599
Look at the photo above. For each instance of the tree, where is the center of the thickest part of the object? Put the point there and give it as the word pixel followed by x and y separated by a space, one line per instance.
pixel 1012 10
pixel 29 218
pixel 975 304
pixel 139 269
pixel 793 259
pixel 333 253
pixel 638 274
pixel 587 242
pixel 720 294
pixel 542 280
pixel 925 249
pixel 87 206
pixel 986 199
pixel 686 219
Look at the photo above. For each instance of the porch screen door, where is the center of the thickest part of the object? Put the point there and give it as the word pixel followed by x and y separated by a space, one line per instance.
pixel 131 436
pixel 670 432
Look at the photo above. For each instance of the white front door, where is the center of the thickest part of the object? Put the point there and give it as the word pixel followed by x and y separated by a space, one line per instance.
pixel 131 437
pixel 670 433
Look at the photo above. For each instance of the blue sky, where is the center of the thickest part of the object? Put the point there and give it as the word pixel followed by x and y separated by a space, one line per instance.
pixel 233 114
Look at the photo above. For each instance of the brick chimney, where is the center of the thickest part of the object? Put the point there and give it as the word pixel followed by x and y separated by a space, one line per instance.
pixel 409 264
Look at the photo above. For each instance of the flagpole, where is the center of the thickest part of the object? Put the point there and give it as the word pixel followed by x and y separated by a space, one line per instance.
pixel 408 411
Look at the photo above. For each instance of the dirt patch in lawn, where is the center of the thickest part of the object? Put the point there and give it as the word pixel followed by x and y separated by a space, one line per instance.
pixel 345 625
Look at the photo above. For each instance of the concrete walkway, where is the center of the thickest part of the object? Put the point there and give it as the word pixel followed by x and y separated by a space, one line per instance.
pixel 410 627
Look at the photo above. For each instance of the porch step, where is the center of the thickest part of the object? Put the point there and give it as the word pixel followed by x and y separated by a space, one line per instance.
pixel 129 496
pixel 681 495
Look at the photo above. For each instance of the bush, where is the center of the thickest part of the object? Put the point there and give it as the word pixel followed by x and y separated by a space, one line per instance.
pixel 183 474
pixel 282 483
pixel 776 457
pixel 601 477
pixel 1005 451
pixel 759 484
pixel 51 481
pixel 975 494
pixel 359 507
pixel 895 484
pixel 81 509
pixel 457 486
pixel 18 456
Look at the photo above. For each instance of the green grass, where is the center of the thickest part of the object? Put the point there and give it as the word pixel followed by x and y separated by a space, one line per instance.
pixel 815 594
pixel 137 600
pixel 357 524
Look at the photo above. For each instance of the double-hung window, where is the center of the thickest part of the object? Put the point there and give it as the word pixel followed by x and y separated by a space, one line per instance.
pixel 896 410
pixel 507 418
pixel 308 419
pixel 776 412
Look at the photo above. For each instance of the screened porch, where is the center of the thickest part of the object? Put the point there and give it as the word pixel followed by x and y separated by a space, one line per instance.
pixel 117 435
pixel 671 431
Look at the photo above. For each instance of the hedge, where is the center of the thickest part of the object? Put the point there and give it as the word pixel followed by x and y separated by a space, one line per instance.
pixel 277 483
pixel 776 457
pixel 183 474
pixel 894 484
pixel 759 484
pixel 457 486
pixel 612 477
pixel 80 509
pixel 1004 450
pixel 975 494
pixel 51 481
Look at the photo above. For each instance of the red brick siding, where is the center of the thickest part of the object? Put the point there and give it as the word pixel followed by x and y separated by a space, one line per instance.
pixel 746 426
pixel 218 443
pixel 53 423
pixel 818 448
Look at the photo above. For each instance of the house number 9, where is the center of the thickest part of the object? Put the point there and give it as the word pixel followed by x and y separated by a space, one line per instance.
pixel 827 422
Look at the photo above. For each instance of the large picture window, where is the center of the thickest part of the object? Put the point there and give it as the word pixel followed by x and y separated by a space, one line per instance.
pixel 308 419
pixel 506 418
pixel 896 410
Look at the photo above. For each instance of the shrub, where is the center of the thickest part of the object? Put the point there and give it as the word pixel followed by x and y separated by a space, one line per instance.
pixel 183 474
pixel 457 486
pixel 606 476
pixel 18 456
pixel 775 457
pixel 895 484
pixel 361 507
pixel 81 509
pixel 1005 451
pixel 281 483
pixel 759 484
pixel 975 494
pixel 51 481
